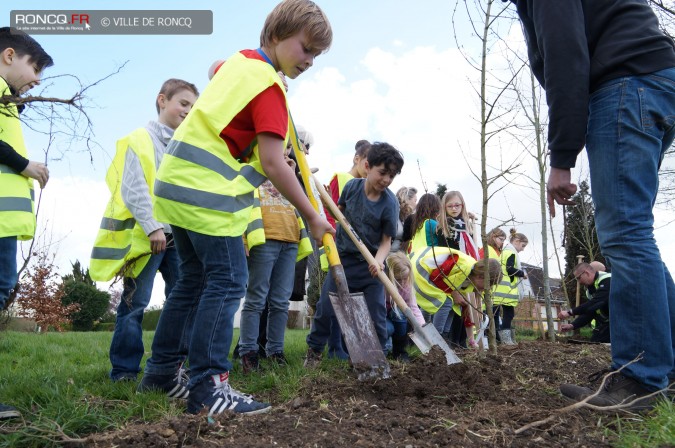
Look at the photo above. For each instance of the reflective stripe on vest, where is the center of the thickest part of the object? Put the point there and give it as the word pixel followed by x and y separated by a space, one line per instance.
pixel 342 179
pixel 255 232
pixel 200 186
pixel 121 246
pixel 429 297
pixel 601 276
pixel 16 191
pixel 506 292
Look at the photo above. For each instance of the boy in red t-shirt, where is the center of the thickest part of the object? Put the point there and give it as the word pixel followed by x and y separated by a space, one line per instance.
pixel 231 142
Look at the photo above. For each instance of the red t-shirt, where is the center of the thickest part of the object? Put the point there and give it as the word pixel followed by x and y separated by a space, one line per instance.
pixel 266 112
pixel 334 187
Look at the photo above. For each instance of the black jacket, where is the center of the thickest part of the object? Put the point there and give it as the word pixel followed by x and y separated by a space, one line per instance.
pixel 576 45
pixel 597 308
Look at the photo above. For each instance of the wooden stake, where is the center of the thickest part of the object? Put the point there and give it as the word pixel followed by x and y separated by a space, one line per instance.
pixel 580 259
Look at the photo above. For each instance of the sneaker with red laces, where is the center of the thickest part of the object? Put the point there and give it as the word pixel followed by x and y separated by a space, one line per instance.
pixel 215 395
pixel 250 362
pixel 618 390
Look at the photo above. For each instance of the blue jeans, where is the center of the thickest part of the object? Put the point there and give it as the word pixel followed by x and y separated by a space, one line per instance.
pixel 211 283
pixel 359 280
pixel 442 319
pixel 630 126
pixel 271 270
pixel 397 326
pixel 126 348
pixel 7 268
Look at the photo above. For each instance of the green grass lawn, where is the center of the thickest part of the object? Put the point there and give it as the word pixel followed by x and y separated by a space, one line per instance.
pixel 59 382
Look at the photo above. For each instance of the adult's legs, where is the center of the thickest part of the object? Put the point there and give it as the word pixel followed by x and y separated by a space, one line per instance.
pixel 630 127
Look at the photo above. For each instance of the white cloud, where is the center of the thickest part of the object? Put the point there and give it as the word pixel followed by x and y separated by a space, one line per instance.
pixel 418 100
pixel 422 102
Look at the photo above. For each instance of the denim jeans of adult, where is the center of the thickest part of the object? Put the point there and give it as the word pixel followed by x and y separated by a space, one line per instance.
pixel 631 125
pixel 211 282
pixel 7 268
pixel 126 348
pixel 358 280
pixel 271 274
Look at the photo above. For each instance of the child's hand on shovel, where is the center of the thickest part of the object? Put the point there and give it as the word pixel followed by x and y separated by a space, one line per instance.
pixel 318 227
pixel 375 268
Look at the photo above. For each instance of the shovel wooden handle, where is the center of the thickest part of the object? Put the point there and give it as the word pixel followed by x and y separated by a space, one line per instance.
pixel 328 241
pixel 390 287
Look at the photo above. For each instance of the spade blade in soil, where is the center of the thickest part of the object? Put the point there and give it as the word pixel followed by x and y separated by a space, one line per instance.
pixel 359 334
pixel 427 336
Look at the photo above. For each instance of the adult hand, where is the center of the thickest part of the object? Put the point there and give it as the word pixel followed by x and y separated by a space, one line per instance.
pixel 564 314
pixel 157 241
pixel 566 327
pixel 559 188
pixel 375 268
pixel 37 171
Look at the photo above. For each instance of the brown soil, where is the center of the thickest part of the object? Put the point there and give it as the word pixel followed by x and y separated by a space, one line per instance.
pixel 480 402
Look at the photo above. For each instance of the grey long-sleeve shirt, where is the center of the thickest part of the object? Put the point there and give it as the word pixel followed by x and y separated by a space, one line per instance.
pixel 134 189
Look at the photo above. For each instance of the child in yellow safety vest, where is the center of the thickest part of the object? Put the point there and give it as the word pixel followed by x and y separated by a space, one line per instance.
pixel 22 60
pixel 230 143
pixel 130 243
pixel 443 274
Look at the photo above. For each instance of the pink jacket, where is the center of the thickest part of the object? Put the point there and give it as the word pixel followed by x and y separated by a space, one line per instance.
pixel 409 298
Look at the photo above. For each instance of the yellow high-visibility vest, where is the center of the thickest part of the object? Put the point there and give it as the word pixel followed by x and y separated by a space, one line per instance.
pixel 17 215
pixel 342 179
pixel 422 237
pixel 200 186
pixel 255 232
pixel 429 297
pixel 506 292
pixel 121 246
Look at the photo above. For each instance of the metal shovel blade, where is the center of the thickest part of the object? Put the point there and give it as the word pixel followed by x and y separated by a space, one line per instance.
pixel 360 337
pixel 427 336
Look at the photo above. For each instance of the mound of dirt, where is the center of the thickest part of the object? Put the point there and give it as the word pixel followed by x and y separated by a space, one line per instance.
pixel 480 402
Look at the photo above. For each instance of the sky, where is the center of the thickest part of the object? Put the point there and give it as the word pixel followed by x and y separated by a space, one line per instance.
pixel 394 73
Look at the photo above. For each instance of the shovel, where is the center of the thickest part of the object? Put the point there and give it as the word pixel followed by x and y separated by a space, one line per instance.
pixel 424 336
pixel 357 327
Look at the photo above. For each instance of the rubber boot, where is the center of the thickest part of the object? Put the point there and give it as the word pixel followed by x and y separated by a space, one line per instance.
pixel 513 336
pixel 505 337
